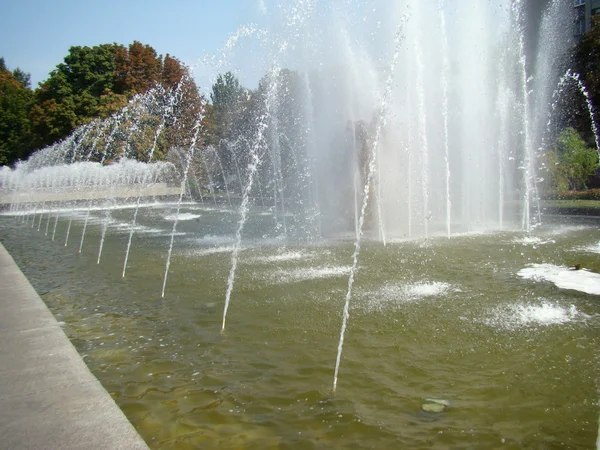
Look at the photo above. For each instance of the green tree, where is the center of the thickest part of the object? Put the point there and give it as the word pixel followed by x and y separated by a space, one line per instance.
pixel 72 94
pixel 571 162
pixel 227 97
pixel 16 99
pixel 99 81
pixel 23 78
pixel 225 117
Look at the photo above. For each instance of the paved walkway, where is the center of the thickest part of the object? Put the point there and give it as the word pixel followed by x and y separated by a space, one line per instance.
pixel 48 397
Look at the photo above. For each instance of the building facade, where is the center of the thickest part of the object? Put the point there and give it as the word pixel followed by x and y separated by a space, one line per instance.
pixel 584 10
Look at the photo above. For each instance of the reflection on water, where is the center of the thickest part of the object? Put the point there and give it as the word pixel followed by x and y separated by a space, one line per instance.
pixel 514 357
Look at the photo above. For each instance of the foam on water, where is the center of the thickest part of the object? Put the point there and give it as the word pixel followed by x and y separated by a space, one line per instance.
pixel 114 224
pixel 182 216
pixel 533 241
pixel 421 290
pixel 124 227
pixel 593 248
pixel 526 315
pixel 471 233
pixel 563 277
pixel 203 208
pixel 95 220
pixel 392 295
pixel 566 229
pixel 308 273
pixel 208 251
pixel 212 239
pixel 169 233
pixel 284 256
pixel 434 236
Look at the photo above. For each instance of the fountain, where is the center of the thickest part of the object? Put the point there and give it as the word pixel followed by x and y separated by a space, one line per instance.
pixel 384 170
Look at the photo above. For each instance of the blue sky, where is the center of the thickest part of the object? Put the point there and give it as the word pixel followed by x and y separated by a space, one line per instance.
pixel 35 35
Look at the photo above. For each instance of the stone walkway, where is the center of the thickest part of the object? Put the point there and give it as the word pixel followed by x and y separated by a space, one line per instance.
pixel 48 397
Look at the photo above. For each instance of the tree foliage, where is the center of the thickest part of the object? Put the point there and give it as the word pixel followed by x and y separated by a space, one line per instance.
pixel 99 81
pixel 78 89
pixel 16 98
pixel 138 68
pixel 227 98
pixel 571 162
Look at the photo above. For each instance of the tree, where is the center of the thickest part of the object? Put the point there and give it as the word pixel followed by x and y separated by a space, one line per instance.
pixel 571 162
pixel 187 105
pixel 16 99
pixel 72 94
pixel 137 69
pixel 99 81
pixel 23 78
pixel 226 96
pixel 225 118
pixel 172 72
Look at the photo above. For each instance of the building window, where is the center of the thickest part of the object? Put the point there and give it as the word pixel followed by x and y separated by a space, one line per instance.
pixel 579 26
pixel 577 3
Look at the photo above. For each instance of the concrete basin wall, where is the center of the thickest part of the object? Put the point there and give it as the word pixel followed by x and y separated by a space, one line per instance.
pixel 48 397
pixel 66 194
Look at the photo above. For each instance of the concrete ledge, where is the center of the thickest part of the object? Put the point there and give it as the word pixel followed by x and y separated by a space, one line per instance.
pixel 90 193
pixel 48 397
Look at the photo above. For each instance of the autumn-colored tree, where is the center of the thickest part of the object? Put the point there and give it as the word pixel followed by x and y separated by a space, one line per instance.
pixel 16 99
pixel 187 105
pixel 138 68
pixel 172 72
pixel 99 81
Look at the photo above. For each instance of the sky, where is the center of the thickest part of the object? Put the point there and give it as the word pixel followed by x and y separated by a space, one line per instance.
pixel 35 35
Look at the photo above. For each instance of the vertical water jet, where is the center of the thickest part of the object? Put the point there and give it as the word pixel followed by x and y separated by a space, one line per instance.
pixel 369 179
pixel 197 127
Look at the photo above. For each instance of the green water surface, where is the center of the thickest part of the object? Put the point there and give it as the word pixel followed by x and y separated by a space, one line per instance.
pixel 516 359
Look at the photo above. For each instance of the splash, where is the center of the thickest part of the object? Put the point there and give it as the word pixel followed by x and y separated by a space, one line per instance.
pixel 563 277
pixel 541 314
